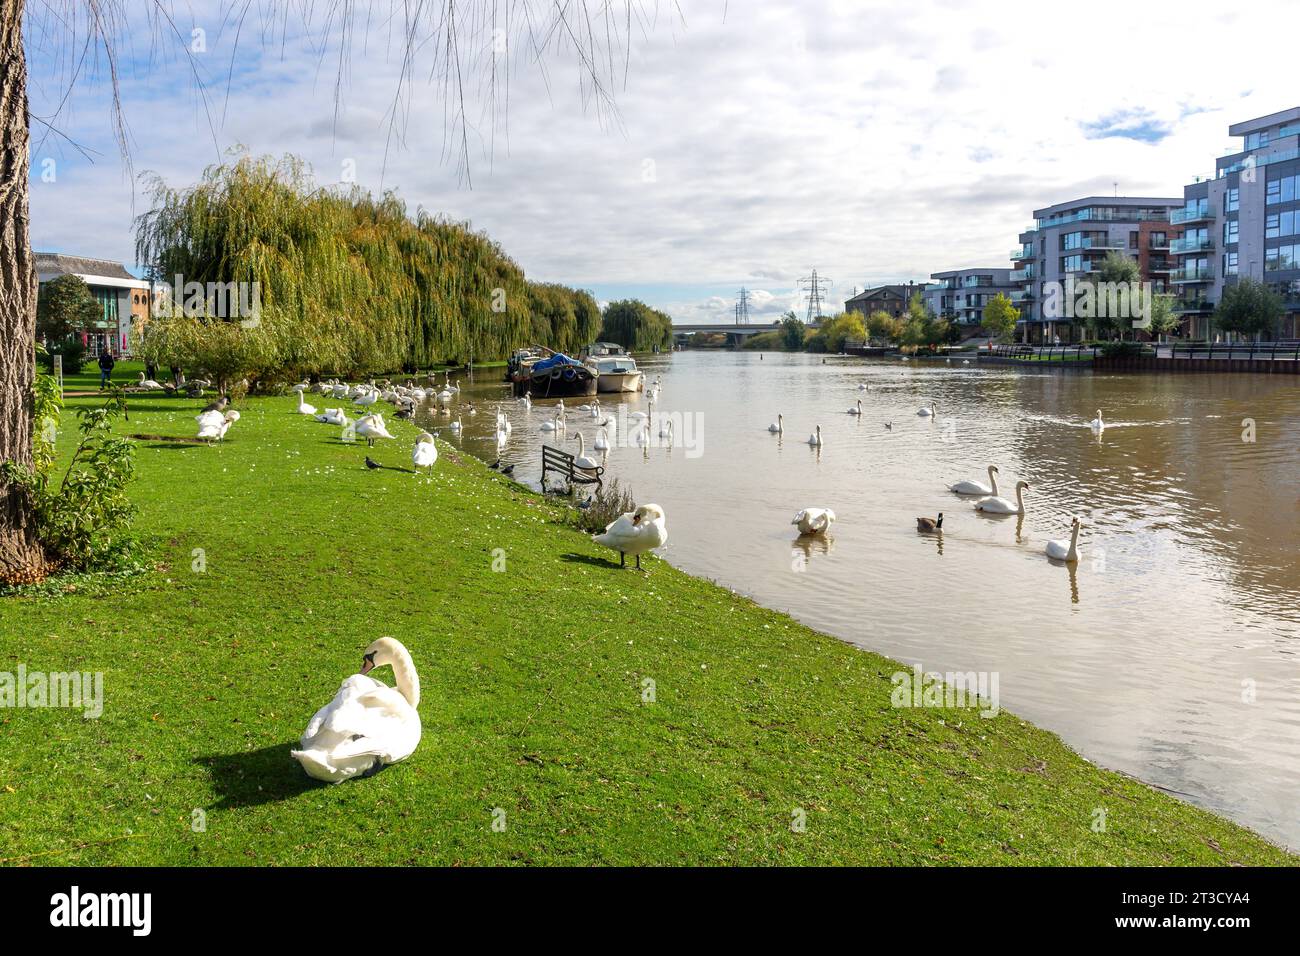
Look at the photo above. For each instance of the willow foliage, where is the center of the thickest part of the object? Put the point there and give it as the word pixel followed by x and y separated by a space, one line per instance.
pixel 348 283
pixel 636 326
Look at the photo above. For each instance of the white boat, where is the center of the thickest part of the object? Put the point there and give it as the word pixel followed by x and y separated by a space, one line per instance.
pixel 618 373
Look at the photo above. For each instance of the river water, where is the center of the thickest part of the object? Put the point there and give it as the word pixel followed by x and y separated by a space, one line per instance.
pixel 1172 650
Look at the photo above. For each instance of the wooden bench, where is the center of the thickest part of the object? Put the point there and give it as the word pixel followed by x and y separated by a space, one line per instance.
pixel 553 459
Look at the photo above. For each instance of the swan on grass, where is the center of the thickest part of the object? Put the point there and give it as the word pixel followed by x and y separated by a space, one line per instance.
pixel 1059 549
pixel 928 412
pixel 856 409
pixel 635 533
pixel 972 487
pixel 333 416
pixel 425 453
pixel 366 400
pixel 148 383
pixel 815 439
pixel 1097 424
pixel 303 407
pixel 1003 506
pixel 814 520
pixel 368 724
pixel 213 425
pixel 778 426
pixel 371 427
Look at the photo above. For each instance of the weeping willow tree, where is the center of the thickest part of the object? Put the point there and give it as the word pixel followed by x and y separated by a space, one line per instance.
pixel 346 282
pixel 636 326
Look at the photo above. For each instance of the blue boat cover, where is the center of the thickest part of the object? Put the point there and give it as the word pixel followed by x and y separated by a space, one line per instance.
pixel 555 361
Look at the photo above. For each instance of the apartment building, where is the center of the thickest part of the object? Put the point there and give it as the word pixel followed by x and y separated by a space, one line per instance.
pixel 960 295
pixel 1070 240
pixel 1244 221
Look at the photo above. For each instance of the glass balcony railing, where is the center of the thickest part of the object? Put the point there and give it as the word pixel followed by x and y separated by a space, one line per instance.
pixel 1101 242
pixel 1021 275
pixel 1105 214
pixel 1205 274
pixel 1191 244
pixel 1193 304
pixel 1191 215
pixel 1018 254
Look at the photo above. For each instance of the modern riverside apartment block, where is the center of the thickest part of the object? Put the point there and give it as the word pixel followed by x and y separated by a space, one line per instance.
pixel 961 294
pixel 1070 240
pixel 1245 221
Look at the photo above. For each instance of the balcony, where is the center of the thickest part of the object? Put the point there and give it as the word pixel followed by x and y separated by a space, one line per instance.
pixel 1018 254
pixel 1101 242
pixel 1184 276
pixel 1188 306
pixel 1156 265
pixel 1182 216
pixel 1022 275
pixel 1159 245
pixel 1022 295
pixel 1197 244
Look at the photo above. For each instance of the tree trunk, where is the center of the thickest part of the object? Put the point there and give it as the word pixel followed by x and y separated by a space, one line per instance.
pixel 22 559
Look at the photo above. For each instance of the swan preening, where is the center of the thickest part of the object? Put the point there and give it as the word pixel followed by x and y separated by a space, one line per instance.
pixel 1097 424
pixel 778 426
pixel 1002 506
pixel 1061 550
pixel 971 487
pixel 333 416
pixel 814 520
pixel 815 439
pixel 635 533
pixel 425 453
pixel 213 425
pixel 371 427
pixel 368 724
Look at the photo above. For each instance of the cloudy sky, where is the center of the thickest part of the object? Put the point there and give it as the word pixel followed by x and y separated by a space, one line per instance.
pixel 749 141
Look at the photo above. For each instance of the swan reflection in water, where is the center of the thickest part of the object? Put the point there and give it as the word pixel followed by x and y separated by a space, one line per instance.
pixel 805 546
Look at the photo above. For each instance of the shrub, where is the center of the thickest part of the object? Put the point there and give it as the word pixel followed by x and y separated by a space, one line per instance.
pixel 608 502
pixel 73 353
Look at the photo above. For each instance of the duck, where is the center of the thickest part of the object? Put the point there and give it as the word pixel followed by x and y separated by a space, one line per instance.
pixel 815 439
pixel 889 426
pixel 371 427
pixel 303 407
pixel 970 487
pixel 425 453
pixel 1097 424
pixel 814 520
pixel 368 725
pixel 930 524
pixel 857 409
pixel 581 460
pixel 1061 550
pixel 928 412
pixel 213 424
pixel 1003 506
pixel 778 426
pixel 635 533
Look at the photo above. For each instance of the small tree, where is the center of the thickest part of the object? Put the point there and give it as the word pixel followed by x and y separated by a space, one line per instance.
pixel 883 327
pixel 1000 317
pixel 65 305
pixel 1249 308
pixel 1164 321
pixel 923 327
pixel 793 332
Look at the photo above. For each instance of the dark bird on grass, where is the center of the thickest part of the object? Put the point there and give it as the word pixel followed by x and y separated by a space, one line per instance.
pixel 372 464
pixel 930 524
pixel 218 405
pixel 495 465
pixel 508 470
pixel 584 504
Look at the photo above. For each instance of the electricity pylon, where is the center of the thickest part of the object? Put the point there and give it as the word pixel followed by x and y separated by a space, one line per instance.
pixel 815 285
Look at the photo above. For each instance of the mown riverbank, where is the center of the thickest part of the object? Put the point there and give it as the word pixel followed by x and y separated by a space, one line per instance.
pixel 281 557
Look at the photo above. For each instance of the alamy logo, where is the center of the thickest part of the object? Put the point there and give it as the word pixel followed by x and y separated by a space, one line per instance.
pixel 1099 300
pixel 74 689
pixel 103 909
pixel 951 690
pixel 218 300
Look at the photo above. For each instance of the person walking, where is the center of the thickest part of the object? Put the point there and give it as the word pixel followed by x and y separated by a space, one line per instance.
pixel 106 363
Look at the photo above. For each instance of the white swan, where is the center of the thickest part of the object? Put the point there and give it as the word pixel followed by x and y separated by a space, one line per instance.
pixel 666 429
pixel 333 416
pixel 213 425
pixel 368 724
pixel 456 426
pixel 1061 550
pixel 371 427
pixel 602 440
pixel 445 397
pixel 303 407
pixel 643 435
pixel 366 400
pixel 1097 424
pixel 635 533
pixel 857 409
pixel 928 412
pixel 814 520
pixel 425 453
pixel 815 439
pixel 581 460
pixel 552 426
pixel 778 426
pixel 971 487
pixel 1002 506
pixel 148 383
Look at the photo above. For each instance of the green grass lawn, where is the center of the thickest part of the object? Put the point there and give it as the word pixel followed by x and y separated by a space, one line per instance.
pixel 532 695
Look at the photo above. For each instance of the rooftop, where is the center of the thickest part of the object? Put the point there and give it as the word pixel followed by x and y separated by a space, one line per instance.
pixel 1246 127
pixel 80 265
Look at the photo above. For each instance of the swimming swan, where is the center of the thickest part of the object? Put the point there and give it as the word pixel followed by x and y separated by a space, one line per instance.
pixel 602 440
pixel 778 426
pixel 368 724
pixel 635 533
pixel 1061 550
pixel 1097 424
pixel 928 412
pixel 581 460
pixel 857 409
pixel 814 520
pixel 815 439
pixel 1001 506
pixel 969 487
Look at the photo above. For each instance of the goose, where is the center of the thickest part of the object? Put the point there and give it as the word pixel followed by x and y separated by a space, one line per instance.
pixel 425 453
pixel 148 383
pixel 470 409
pixel 635 533
pixel 1097 424
pixel 815 439
pixel 303 407
pixel 368 724
pixel 213 425
pixel 1002 506
pixel 333 416
pixel 602 440
pixel 778 426
pixel 814 520
pixel 930 524
pixel 857 409
pixel 969 487
pixel 581 460
pixel 1061 550
pixel 371 427
pixel 456 426
pixel 927 412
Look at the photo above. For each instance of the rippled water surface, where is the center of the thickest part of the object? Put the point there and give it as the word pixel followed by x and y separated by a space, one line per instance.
pixel 1171 652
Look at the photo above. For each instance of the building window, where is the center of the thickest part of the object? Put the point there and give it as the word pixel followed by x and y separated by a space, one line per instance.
pixel 1230 231
pixel 1229 263
pixel 1280 190
pixel 1133 240
pixel 1231 200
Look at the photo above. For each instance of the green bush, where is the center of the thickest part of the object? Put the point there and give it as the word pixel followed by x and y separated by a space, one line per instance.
pixel 73 353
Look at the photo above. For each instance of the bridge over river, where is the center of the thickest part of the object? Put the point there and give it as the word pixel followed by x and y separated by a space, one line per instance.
pixel 736 334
